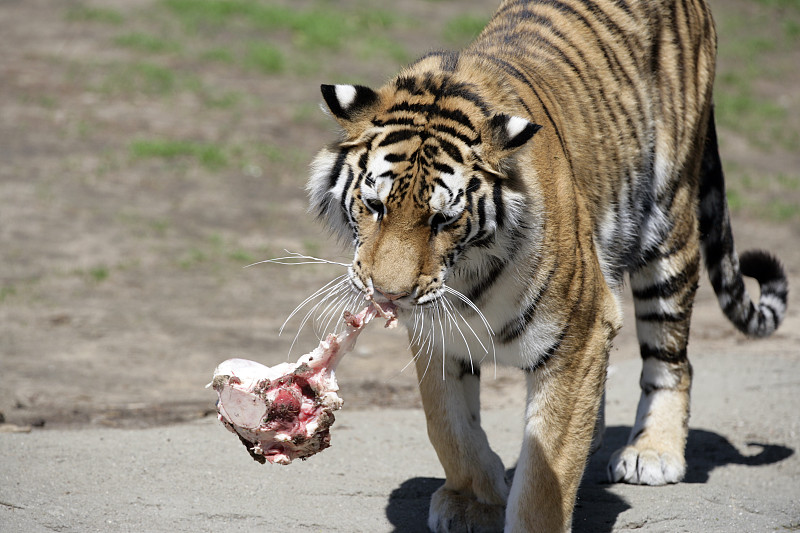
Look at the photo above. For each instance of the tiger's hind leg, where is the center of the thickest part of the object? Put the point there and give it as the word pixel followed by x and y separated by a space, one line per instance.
pixel 663 290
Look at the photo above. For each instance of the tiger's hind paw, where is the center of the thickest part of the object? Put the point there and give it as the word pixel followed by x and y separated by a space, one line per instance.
pixel 645 466
pixel 452 511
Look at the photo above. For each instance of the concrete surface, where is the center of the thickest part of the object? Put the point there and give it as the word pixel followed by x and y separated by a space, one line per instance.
pixel 744 470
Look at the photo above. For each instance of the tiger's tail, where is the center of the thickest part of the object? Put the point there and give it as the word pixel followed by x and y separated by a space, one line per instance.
pixel 725 268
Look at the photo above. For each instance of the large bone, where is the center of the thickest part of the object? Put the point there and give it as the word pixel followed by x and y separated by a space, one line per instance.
pixel 285 412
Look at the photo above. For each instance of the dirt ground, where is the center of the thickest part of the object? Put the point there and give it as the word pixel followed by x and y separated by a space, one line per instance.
pixel 121 266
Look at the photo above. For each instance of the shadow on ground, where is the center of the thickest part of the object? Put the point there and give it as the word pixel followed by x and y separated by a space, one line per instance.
pixel 598 507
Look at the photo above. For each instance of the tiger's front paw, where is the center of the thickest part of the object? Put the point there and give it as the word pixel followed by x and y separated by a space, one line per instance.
pixel 646 466
pixel 452 511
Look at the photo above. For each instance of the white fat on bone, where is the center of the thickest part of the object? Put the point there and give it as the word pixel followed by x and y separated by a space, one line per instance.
pixel 285 412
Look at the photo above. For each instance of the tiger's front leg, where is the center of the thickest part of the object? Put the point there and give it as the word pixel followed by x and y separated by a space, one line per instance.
pixel 564 399
pixel 474 494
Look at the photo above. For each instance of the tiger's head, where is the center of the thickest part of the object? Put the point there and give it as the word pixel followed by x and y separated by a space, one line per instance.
pixel 423 173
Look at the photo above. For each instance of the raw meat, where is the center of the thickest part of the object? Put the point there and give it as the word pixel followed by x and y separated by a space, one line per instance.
pixel 284 412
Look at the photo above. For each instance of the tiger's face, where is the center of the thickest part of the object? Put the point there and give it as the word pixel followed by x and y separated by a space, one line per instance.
pixel 415 184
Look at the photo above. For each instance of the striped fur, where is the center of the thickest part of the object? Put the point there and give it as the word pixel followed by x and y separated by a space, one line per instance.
pixel 498 195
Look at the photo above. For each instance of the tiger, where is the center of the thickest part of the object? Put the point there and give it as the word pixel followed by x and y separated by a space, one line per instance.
pixel 501 195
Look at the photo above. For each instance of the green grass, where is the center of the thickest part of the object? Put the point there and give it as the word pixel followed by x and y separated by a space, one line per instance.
pixel 143 42
pixel 7 292
pixel 318 27
pixel 210 156
pixel 265 58
pixel 216 252
pixel 95 14
pixel 219 55
pixel 462 29
pixel 768 196
pixel 141 76
pixel 241 256
pixel 780 4
pixel 99 274
pixel 752 54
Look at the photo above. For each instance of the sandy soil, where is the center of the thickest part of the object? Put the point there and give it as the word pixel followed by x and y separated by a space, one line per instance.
pixel 121 278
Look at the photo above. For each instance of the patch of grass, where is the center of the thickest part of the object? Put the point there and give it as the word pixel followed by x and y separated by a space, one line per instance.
pixel 780 210
pixel 241 256
pixel 219 55
pixel 768 196
pixel 159 227
pixel 791 29
pixel 274 154
pixel 780 4
pixel 7 292
pixel 463 28
pixel 192 258
pixel 317 27
pixel 735 199
pixel 95 14
pixel 311 247
pixel 753 52
pixel 143 42
pixel 141 76
pixel 266 58
pixel 381 44
pixel 99 273
pixel 786 181
pixel 210 156
pixel 215 251
pixel 225 100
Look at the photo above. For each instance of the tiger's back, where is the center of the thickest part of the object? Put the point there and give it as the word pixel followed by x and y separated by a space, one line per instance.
pixel 499 194
pixel 613 79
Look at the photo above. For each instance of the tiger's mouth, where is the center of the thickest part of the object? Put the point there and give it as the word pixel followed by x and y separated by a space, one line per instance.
pixel 403 301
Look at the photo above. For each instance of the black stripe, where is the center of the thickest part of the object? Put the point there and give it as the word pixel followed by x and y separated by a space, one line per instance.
pixel 469 141
pixel 473 186
pixel 362 161
pixel 548 354
pixel 515 327
pixel 397 121
pixel 468 369
pixel 397 136
pixel 347 183
pixel 662 317
pixel 482 213
pixel 499 205
pixel 444 169
pixel 333 177
pixel 462 91
pixel 456 116
pixel 662 354
pixel 670 286
pixel 477 290
pixel 395 158
pixel 451 150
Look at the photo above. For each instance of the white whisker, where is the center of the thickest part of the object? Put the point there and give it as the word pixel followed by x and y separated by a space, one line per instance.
pixel 441 332
pixel 480 315
pixel 453 321
pixel 331 285
pixel 430 356
pixel 295 258
pixel 336 298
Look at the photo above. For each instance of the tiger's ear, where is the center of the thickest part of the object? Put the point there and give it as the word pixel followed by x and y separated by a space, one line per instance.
pixel 350 105
pixel 507 135
pixel 511 133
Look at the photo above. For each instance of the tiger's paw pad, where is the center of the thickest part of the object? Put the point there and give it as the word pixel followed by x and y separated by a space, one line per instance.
pixel 645 466
pixel 452 511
